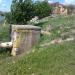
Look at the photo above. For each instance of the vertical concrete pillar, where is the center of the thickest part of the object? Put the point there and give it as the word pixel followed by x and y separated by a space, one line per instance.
pixel 24 37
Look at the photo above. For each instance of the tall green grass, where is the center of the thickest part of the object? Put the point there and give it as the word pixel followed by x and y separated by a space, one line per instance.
pixel 4 32
pixel 4 37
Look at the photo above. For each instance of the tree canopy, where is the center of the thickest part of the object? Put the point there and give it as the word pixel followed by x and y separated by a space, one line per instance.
pixel 24 10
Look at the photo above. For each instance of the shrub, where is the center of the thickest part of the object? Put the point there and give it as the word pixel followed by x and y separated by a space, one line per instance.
pixel 24 10
pixel 42 9
pixel 21 12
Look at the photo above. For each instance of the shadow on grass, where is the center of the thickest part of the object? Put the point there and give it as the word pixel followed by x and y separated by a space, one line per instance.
pixel 4 53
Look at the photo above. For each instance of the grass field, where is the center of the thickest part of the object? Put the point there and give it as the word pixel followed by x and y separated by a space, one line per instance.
pixel 4 37
pixel 57 59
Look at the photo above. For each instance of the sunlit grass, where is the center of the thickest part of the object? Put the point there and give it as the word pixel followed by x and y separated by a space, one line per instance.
pixel 58 59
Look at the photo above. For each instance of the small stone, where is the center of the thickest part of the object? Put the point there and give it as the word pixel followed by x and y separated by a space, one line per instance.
pixel 33 50
pixel 29 68
pixel 32 74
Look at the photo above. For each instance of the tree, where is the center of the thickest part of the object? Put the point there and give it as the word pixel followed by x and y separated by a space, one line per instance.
pixel 24 10
pixel 21 11
pixel 43 9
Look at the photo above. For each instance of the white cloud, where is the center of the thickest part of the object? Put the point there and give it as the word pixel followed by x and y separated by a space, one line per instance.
pixel 40 0
pixel 50 1
pixel 70 2
pixel 0 1
pixel 3 5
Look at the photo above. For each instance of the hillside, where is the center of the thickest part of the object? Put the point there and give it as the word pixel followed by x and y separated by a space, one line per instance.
pixel 45 59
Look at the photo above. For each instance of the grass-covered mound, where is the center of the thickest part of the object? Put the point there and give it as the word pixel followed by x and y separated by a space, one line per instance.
pixel 57 59
pixel 52 60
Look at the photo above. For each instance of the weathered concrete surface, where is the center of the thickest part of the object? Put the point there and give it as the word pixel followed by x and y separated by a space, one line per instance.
pixel 6 45
pixel 24 37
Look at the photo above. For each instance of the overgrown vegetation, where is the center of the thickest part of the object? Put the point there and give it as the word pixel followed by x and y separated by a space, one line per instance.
pixel 4 37
pixel 4 32
pixel 58 59
pixel 42 9
pixel 24 10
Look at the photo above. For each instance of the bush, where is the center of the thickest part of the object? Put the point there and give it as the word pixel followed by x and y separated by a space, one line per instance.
pixel 42 9
pixel 24 10
pixel 21 12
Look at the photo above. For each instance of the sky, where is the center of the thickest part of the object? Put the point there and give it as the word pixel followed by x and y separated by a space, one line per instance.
pixel 5 4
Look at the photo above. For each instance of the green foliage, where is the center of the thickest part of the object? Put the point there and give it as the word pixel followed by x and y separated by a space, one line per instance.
pixel 4 37
pixel 21 11
pixel 42 9
pixel 4 32
pixel 24 10
pixel 8 17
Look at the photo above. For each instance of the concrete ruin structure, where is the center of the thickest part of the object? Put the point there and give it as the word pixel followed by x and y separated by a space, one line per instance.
pixel 59 8
pixel 23 38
